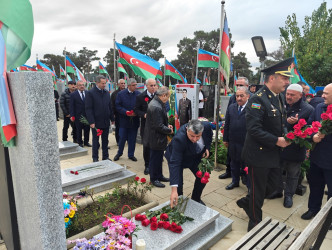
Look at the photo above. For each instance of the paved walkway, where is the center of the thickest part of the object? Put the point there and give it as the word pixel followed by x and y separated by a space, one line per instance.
pixel 214 195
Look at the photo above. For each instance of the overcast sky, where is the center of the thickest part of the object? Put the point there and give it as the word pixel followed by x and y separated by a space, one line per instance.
pixel 75 24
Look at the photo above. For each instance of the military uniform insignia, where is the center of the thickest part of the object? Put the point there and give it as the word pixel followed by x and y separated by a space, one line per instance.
pixel 260 94
pixel 270 96
pixel 256 106
pixel 274 110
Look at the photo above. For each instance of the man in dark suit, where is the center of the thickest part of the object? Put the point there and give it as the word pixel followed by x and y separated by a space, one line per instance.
pixel 265 119
pixel 184 108
pixel 155 135
pixel 320 160
pixel 129 121
pixel 317 99
pixel 235 133
pixel 191 142
pixel 77 110
pixel 121 86
pixel 141 107
pixel 99 113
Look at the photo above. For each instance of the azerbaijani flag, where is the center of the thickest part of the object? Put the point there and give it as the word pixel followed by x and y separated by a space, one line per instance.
pixel 102 69
pixel 25 67
pixel 170 70
pixel 297 76
pixel 42 67
pixel 159 83
pixel 225 54
pixel 79 75
pixel 62 71
pixel 197 80
pixel 142 65
pixel 159 74
pixel 14 70
pixel 70 66
pixel 121 68
pixel 207 59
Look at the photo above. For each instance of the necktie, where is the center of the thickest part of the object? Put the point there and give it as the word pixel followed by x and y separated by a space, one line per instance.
pixel 82 96
pixel 239 111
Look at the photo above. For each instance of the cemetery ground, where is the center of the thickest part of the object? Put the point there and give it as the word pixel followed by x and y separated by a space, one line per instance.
pixel 214 195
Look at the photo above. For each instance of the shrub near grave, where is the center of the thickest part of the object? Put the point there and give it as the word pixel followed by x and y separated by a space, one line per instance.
pixel 93 214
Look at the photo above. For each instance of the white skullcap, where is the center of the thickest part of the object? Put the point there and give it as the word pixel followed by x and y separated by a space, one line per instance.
pixel 296 87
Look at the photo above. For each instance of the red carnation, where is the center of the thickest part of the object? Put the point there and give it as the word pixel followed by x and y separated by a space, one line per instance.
pixel 166 225
pixel 207 175
pixel 164 216
pixel 325 116
pixel 136 178
pixel 302 122
pixel 72 172
pixel 204 180
pixel 153 219
pixel 316 124
pixel 303 135
pixel 144 217
pixel 246 170
pixel 154 226
pixel 309 131
pixel 199 174
pixel 178 229
pixel 145 222
pixel 138 217
pixel 297 132
pixel 73 118
pixel 297 126
pixel 143 180
pixel 173 226
pixel 315 129
pixel 329 109
pixel 146 99
pixel 161 224
pixel 76 172
pixel 290 136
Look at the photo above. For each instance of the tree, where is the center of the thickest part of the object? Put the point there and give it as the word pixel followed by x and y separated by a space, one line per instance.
pixel 313 48
pixel 109 59
pixel 87 56
pixel 54 60
pixel 241 65
pixel 130 41
pixel 149 46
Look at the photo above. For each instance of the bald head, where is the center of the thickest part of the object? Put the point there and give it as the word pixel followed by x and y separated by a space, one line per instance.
pixel 151 85
pixel 327 94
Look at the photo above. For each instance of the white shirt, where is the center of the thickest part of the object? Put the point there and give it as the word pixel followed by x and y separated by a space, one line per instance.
pixel 81 94
pixel 200 98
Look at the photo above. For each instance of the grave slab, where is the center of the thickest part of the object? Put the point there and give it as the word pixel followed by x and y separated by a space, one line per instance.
pixel 69 150
pixel 207 228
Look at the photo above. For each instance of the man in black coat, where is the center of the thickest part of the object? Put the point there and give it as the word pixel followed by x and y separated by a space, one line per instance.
pixel 56 100
pixel 235 133
pixel 99 113
pixel 185 111
pixel 65 104
pixel 265 119
pixel 129 121
pixel 293 155
pixel 141 107
pixel 121 86
pixel 155 135
pixel 320 159
pixel 77 110
pixel 317 99
pixel 191 142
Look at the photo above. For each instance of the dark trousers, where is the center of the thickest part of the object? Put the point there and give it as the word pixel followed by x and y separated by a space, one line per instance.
pixel 198 186
pixel 127 134
pixel 236 167
pixel 261 179
pixel 104 143
pixel 319 177
pixel 156 164
pixel 293 171
pixel 117 128
pixel 200 112
pixel 146 150
pixel 228 163
pixel 57 110
pixel 79 127
pixel 66 123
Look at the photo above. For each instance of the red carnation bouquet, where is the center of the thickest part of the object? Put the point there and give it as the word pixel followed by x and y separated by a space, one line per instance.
pixel 326 122
pixel 204 170
pixel 166 218
pixel 86 122
pixel 300 134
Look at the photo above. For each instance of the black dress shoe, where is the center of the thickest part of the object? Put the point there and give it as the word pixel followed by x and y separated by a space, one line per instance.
pixel 95 160
pixel 81 145
pixel 116 157
pixel 274 195
pixel 74 141
pixel 201 202
pixel 108 147
pixel 163 179
pixel 225 175
pixel 107 159
pixel 288 201
pixel 244 204
pixel 308 215
pixel 158 184
pixel 146 171
pixel 232 185
pixel 133 158
pixel 87 144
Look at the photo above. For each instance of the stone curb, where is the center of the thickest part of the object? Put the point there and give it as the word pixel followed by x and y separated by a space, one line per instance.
pixel 88 234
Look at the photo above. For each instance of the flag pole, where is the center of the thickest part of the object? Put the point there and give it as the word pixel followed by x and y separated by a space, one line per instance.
pixel 197 63
pixel 165 72
pixel 114 61
pixel 219 84
pixel 64 53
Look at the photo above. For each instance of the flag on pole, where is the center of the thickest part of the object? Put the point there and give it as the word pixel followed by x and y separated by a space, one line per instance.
pixel 159 83
pixel 297 76
pixel 14 70
pixel 25 67
pixel 235 79
pixel 206 81
pixel 225 54
pixel 197 81
pixel 173 72
pixel 121 68
pixel 42 67
pixel 102 69
pixel 207 59
pixel 70 66
pixel 142 65
pixel 80 75
pixel 62 71
pixel 159 75
pixel 68 78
